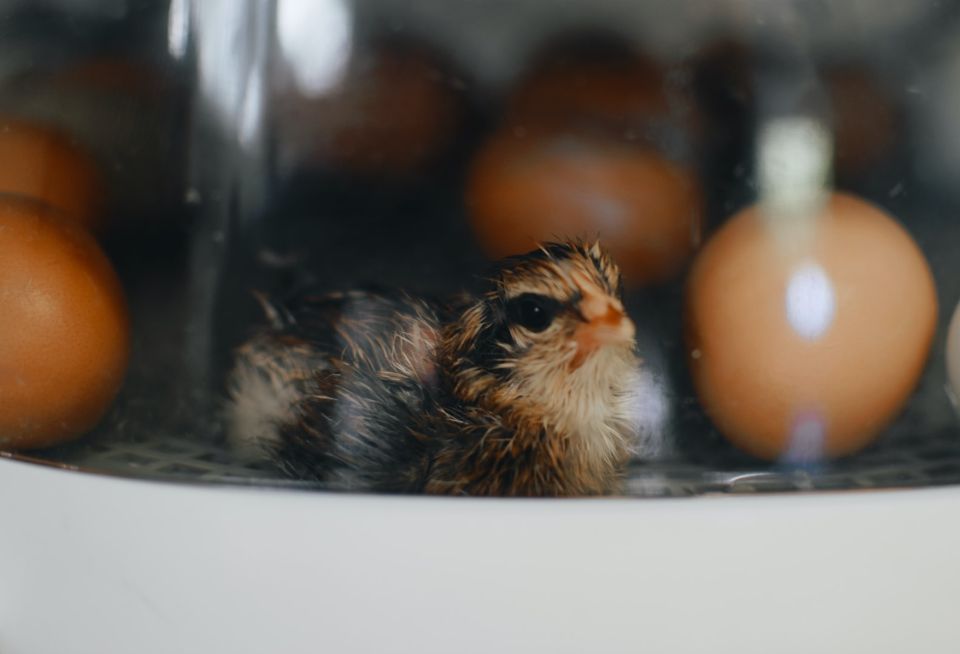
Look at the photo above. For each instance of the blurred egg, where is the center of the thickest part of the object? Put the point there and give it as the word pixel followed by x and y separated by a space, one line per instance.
pixel 394 112
pixel 605 87
pixel 64 336
pixel 646 210
pixel 805 348
pixel 620 89
pixel 130 116
pixel 41 163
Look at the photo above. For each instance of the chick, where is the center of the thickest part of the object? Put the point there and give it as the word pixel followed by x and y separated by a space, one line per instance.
pixel 523 389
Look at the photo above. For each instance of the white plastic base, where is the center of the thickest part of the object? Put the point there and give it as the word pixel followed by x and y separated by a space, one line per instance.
pixel 100 565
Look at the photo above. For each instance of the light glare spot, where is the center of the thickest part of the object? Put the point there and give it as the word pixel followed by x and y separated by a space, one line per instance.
pixel 178 27
pixel 315 42
pixel 251 110
pixel 649 410
pixel 807 440
pixel 810 301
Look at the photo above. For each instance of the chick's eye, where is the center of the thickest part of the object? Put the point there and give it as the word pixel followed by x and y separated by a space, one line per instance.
pixel 534 312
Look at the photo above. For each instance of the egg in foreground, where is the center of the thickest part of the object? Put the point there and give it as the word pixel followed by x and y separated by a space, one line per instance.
pixel 64 336
pixel 805 349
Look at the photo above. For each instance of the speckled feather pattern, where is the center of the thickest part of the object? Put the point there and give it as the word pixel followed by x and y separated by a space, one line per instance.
pixel 391 392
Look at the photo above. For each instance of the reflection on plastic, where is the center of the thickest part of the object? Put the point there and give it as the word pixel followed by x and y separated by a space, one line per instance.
pixel 252 109
pixel 315 41
pixel 953 360
pixel 649 414
pixel 808 435
pixel 178 28
pixel 810 301
pixel 793 169
pixel 233 41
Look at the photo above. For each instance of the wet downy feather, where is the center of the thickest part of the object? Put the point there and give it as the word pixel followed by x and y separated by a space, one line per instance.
pixel 521 390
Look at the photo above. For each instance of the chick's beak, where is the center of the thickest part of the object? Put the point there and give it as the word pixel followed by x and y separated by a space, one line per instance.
pixel 605 323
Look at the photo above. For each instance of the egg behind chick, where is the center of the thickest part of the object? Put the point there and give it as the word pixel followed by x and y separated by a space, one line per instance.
pixel 595 142
pixel 645 209
pixel 39 162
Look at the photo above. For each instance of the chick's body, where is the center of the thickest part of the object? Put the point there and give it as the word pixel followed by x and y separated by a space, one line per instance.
pixel 522 390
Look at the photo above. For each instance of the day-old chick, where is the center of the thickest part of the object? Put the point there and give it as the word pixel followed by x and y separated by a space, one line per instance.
pixel 521 390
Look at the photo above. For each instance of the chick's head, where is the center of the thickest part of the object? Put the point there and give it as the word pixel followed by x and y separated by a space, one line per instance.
pixel 550 331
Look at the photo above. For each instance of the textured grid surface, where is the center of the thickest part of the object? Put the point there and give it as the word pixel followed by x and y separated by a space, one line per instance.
pixel 933 460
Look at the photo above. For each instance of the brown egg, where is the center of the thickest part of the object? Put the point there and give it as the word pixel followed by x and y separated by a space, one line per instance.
pixel 64 335
pixel 394 113
pixel 39 162
pixel 130 116
pixel 619 91
pixel 605 87
pixel 804 347
pixel 645 209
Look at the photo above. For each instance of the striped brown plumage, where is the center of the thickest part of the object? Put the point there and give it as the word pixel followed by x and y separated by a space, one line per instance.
pixel 522 389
